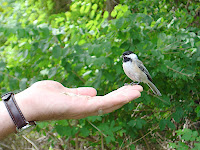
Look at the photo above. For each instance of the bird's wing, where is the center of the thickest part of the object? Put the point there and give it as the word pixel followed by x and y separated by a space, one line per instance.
pixel 143 68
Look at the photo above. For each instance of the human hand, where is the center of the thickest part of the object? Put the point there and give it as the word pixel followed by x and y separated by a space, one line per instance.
pixel 50 100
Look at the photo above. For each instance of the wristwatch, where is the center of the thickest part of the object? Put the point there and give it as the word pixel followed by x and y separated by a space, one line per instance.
pixel 15 112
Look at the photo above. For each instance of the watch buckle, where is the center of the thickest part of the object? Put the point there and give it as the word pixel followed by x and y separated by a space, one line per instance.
pixel 29 125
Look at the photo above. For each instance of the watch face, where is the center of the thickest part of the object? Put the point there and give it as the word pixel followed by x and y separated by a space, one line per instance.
pixel 6 96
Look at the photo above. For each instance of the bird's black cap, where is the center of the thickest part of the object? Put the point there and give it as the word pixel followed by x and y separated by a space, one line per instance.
pixel 127 53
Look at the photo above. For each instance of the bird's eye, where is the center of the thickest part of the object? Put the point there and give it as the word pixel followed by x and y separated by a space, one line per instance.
pixel 126 59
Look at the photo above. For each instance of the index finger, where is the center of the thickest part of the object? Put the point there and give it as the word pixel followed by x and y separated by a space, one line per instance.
pixel 114 100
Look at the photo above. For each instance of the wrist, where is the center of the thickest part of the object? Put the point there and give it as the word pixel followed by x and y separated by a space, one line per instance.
pixel 25 105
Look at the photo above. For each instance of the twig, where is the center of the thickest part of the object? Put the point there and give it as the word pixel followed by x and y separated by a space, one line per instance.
pixel 97 128
pixel 76 136
pixel 122 144
pixel 151 110
pixel 140 138
pixel 158 98
pixel 4 145
pixel 145 140
pixel 30 142
pixel 162 100
pixel 168 45
pixel 11 76
pixel 102 145
pixel 76 141
pixel 89 138
pixel 187 5
pixel 178 72
pixel 78 76
pixel 115 2
pixel 134 111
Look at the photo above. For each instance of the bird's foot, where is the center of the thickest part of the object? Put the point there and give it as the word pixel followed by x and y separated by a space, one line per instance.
pixel 132 83
pixel 137 83
pixel 125 84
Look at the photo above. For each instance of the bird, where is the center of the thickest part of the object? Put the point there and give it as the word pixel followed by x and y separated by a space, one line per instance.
pixel 136 71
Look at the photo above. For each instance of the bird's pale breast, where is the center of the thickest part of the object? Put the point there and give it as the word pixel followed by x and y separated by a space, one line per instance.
pixel 133 72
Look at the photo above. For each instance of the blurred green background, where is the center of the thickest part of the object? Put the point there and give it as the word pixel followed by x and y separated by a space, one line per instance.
pixel 80 43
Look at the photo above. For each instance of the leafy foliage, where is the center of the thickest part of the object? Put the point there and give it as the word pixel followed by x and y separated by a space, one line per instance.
pixel 188 136
pixel 80 47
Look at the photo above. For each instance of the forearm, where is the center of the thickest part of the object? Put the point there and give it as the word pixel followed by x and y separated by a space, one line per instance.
pixel 6 124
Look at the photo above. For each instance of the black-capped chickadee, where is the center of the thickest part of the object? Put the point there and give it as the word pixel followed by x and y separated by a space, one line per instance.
pixel 136 71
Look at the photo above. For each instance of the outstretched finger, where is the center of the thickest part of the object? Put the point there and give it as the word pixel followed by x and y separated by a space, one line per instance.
pixel 88 91
pixel 130 87
pixel 113 100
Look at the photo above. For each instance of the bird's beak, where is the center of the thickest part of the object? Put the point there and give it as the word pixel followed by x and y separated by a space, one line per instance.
pixel 122 58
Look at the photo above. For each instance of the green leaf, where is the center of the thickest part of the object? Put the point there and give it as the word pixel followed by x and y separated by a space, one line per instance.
pixel 64 130
pixel 84 132
pixel 87 9
pixel 52 72
pixel 44 46
pixel 182 146
pixel 94 6
pixel 172 145
pixel 170 124
pixel 195 133
pixel 119 23
pixel 13 84
pixel 162 124
pixel 145 11
pixel 178 114
pixel 45 32
pixel 57 51
pixel 42 124
pixel 197 110
pixel 2 65
pixel 140 123
pixel 92 14
pixel 187 135
pixel 22 83
pixel 114 13
pixel 132 123
pixel 106 14
pixel 163 68
pixel 197 146
pixel 20 33
pixel 94 118
pixel 1 77
pixel 132 147
pixel 82 9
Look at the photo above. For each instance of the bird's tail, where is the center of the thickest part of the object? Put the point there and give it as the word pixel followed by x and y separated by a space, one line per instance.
pixel 154 88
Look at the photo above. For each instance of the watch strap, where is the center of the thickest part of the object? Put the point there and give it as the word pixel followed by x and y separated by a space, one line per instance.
pixel 14 111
